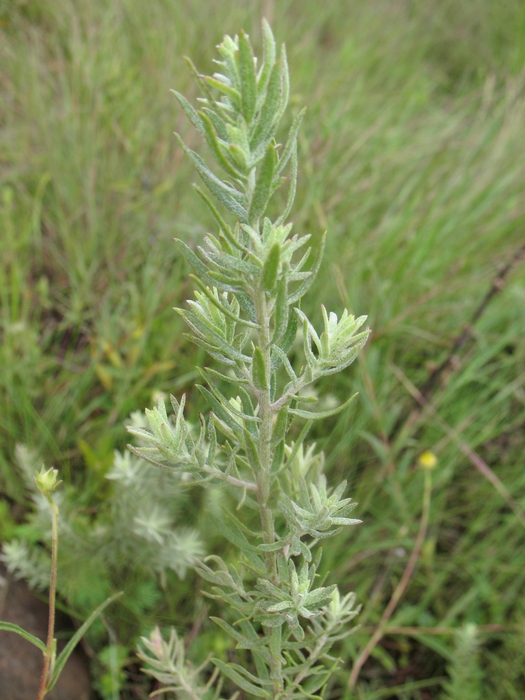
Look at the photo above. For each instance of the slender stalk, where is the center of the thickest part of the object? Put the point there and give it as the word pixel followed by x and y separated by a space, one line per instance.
pixel 266 413
pixel 50 643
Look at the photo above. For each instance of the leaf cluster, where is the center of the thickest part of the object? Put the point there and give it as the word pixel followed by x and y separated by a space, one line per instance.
pixel 251 277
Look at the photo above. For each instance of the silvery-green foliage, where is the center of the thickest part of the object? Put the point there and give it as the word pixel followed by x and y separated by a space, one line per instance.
pixel 251 276
pixel 167 663
pixel 136 530
pixel 32 564
pixel 466 677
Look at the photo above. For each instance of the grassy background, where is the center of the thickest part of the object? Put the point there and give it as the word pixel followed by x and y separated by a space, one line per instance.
pixel 411 157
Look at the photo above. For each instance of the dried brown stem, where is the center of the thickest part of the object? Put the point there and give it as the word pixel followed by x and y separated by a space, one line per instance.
pixel 400 588
pixel 469 453
pixel 450 362
pixel 497 285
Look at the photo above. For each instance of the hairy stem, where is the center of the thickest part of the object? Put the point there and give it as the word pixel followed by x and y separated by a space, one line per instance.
pixel 263 476
pixel 50 643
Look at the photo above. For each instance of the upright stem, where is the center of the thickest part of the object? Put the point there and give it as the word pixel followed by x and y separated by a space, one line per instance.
pixel 50 644
pixel 263 476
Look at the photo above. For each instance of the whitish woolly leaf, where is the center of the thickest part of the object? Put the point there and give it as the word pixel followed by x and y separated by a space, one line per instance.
pixel 260 380
pixel 271 268
pixel 240 676
pixel 263 186
pixel 305 286
pixel 247 75
pixel 221 411
pixel 268 60
pixel 312 415
pixel 230 198
pixel 190 111
pixel 213 145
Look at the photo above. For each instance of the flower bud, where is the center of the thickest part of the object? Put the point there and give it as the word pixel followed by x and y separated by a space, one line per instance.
pixel 47 480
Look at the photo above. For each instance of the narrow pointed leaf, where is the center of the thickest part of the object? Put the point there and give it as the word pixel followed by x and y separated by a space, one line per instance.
pixel 191 113
pixel 227 196
pixel 223 226
pixel 251 451
pixel 220 306
pixel 221 411
pixel 10 627
pixel 75 639
pixel 266 122
pixel 271 267
pixel 234 534
pixel 291 143
pixel 282 310
pixel 213 145
pixel 248 82
pixel 269 56
pixel 311 415
pixel 263 187
pixel 259 377
pixel 229 671
pixel 291 189
pixel 285 83
pixel 305 286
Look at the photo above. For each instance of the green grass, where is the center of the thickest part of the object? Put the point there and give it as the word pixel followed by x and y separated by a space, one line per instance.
pixel 410 156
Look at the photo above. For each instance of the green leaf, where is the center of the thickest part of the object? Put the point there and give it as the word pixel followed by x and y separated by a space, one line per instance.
pixel 259 377
pixel 263 186
pixel 214 146
pixel 271 268
pixel 220 411
pixel 291 190
pixel 288 338
pixel 229 197
pixel 223 226
pixel 282 309
pixel 229 407
pixel 195 262
pixel 291 142
pixel 305 286
pixel 220 126
pixel 207 291
pixel 10 627
pixel 212 442
pixel 230 528
pixel 201 80
pixel 68 649
pixel 247 74
pixel 285 83
pixel 266 123
pixel 190 111
pixel 238 157
pixel 251 451
pixel 322 414
pixel 281 426
pixel 225 89
pixel 277 459
pixel 239 638
pixel 269 54
pixel 230 670
pixel 204 331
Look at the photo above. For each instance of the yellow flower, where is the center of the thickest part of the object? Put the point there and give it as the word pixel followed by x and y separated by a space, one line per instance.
pixel 428 460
